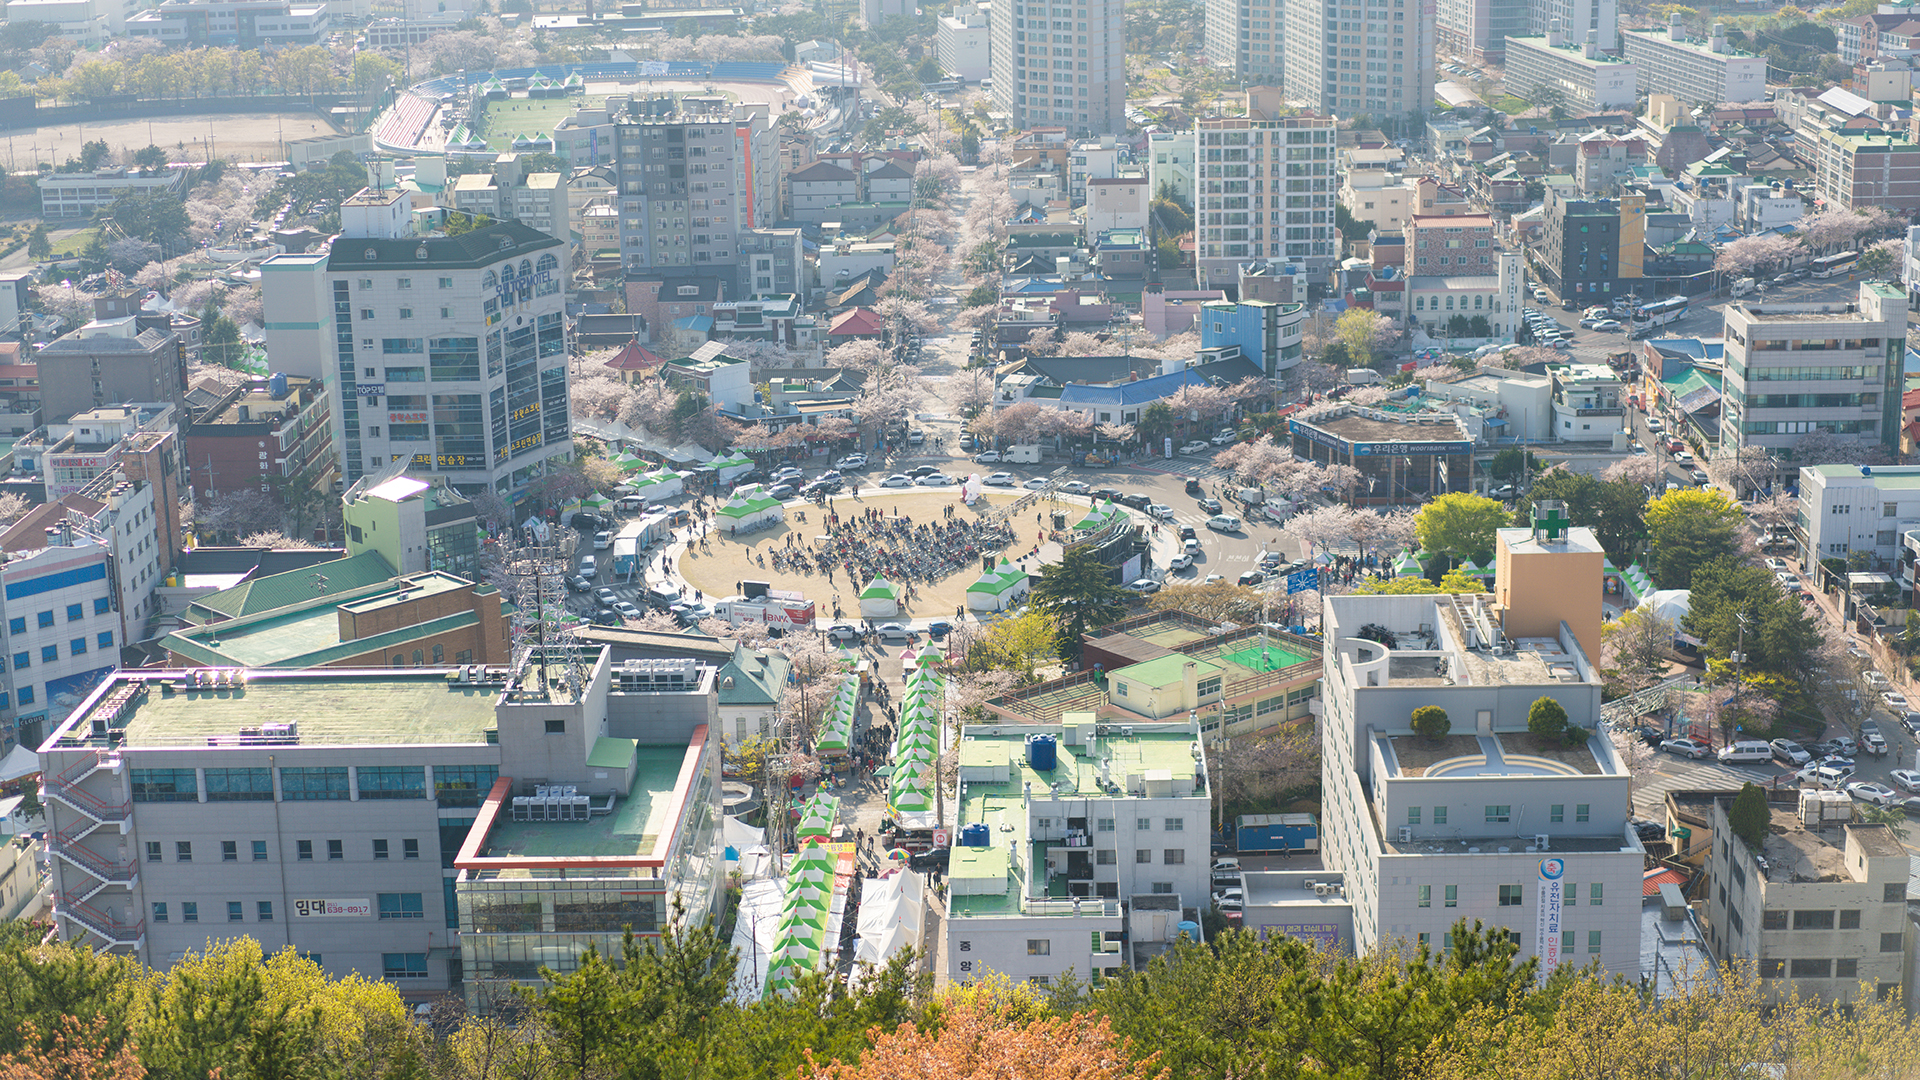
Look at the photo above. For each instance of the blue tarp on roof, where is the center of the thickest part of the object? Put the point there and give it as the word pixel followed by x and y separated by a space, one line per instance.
pixel 1133 393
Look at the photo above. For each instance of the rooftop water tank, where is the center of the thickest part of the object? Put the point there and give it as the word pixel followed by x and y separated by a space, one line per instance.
pixel 976 835
pixel 1041 752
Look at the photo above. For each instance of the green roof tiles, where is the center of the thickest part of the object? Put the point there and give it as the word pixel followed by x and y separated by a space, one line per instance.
pixel 294 586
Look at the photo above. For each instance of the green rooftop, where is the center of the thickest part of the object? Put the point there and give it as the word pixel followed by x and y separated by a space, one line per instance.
pixel 1885 477
pixel 1166 670
pixel 636 826
pixel 307 632
pixel 391 707
pixel 282 590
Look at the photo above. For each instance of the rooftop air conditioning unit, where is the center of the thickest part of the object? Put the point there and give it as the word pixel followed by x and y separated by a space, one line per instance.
pixel 1321 889
pixel 1406 834
pixel 1540 841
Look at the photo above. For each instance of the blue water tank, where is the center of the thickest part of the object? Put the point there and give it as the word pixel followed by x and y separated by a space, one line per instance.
pixel 277 385
pixel 976 836
pixel 1041 752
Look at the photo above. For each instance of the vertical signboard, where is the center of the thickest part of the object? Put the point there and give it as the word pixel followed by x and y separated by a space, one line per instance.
pixel 1547 932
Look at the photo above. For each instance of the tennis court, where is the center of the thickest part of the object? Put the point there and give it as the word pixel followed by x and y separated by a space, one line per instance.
pixel 1273 659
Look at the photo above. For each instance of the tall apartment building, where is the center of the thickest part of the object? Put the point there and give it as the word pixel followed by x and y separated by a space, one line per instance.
pixel 401 824
pixel 1585 79
pixel 1487 822
pixel 1061 64
pixel 1593 247
pixel 1246 40
pixel 961 42
pixel 446 352
pixel 1361 56
pixel 1856 171
pixel 508 192
pixel 1820 907
pixel 693 185
pixel 1697 72
pixel 1582 20
pixel 1478 30
pixel 1793 369
pixel 1264 187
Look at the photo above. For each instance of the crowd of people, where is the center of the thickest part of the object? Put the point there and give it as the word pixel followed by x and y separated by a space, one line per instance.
pixel 874 543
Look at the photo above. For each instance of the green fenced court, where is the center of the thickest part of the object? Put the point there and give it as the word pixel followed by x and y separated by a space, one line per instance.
pixel 1273 659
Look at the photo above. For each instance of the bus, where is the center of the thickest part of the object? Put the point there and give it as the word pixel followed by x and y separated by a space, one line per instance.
pixel 1835 265
pixel 1659 312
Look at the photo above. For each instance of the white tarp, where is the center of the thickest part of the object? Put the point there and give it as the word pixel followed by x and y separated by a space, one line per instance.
pixel 19 762
pixel 755 930
pixel 891 913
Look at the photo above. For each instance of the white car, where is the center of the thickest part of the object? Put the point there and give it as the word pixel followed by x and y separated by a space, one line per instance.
pixel 1683 457
pixel 1161 511
pixel 1895 701
pixel 1000 479
pixel 991 457
pixel 934 480
pixel 602 540
pixel 1143 586
pixel 1191 545
pixel 1224 523
pixel 1211 578
pixel 1906 778
pixel 1779 566
pixel 897 480
pixel 1225 438
pixel 1075 487
pixel 626 609
pixel 1196 447
pixel 1607 324
pixel 1036 483
pixel 843 633
pixel 1180 562
pixel 852 461
pixel 1869 792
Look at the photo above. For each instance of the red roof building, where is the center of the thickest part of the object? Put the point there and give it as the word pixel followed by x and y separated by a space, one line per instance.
pixel 633 361
pixel 856 323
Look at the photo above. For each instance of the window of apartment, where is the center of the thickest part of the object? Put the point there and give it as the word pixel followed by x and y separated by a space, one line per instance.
pixel 1570 896
pixel 17 625
pixel 1813 920
pixel 1890 942
pixel 22 661
pixel 1581 812
pixel 1175 824
pixel 1439 815
pixel 1413 815
pixel 325 784
pixel 1773 920
pixel 1557 813
pixel 1807 968
pixel 392 781
pixel 229 851
pixel 263 910
pixel 102 605
pixel 1105 857
pixel 1894 893
pixel 446 283
pixel 1173 857
pixel 239 785
pixel 183 851
pixel 189 911
pixel 45 619
pixel 1595 893
pixel 411 965
pixel 1144 824
pixel 159 913
pixel 1850 920
pixel 1772 969
pixel 1142 855
pixel 1453 896
pixel 153 851
pixel 380 849
pixel 1593 941
pixel 405 282
pixel 1426 896
pixel 336 850
pixel 259 851
pixel 49 653
pixel 74 613
pixel 556 727
pixel 409 849
pixel 1846 969
pixel 304 850
pixel 1162 887
pixel 402 905
pixel 236 911
pixel 1499 815
pixel 1105 824
pixel 1510 896
pixel 1039 946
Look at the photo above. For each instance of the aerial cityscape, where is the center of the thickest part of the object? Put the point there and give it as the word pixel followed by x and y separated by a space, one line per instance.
pixel 1096 539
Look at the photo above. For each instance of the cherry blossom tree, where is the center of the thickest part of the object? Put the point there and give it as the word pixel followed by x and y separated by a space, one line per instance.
pixel 1197 403
pixel 862 355
pixel 597 393
pixel 1118 433
pixel 1323 528
pixel 649 405
pixel 1751 254
pixel 1344 480
pixel 1041 343
pixel 1640 468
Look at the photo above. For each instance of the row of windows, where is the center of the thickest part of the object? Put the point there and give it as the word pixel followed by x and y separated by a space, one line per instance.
pixel 1814 968
pixel 44 619
pixel 1568 941
pixel 454 785
pixel 1140 824
pixel 303 850
pixel 51 653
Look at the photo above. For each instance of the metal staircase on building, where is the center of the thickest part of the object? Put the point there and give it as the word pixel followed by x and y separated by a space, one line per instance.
pixel 93 872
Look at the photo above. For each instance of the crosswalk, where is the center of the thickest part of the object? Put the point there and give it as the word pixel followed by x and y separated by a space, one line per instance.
pixel 1198 468
pixel 1650 789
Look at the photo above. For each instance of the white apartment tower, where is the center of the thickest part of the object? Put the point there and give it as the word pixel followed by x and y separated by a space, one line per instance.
pixel 1349 57
pixel 1264 189
pixel 1060 64
pixel 1486 822
pixel 1245 39
pixel 1582 20
pixel 449 352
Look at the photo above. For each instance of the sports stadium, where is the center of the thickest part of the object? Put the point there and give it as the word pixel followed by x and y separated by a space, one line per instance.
pixel 530 109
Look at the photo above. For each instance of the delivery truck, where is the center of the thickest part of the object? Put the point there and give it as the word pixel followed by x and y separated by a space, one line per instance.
pixel 1258 833
pixel 778 608
pixel 1023 454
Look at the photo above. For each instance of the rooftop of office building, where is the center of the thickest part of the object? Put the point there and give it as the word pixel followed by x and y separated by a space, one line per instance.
pixel 1794 852
pixel 635 826
pixel 1372 426
pixel 1105 761
pixel 202 707
pixel 1799 313
pixel 1502 754
pixel 1441 641
pixel 310 631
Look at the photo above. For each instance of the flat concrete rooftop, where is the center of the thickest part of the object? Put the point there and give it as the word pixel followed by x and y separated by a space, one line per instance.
pixel 637 825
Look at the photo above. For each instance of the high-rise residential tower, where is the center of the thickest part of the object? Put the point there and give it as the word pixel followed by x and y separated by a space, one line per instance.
pixel 695 183
pixel 1582 20
pixel 1245 39
pixel 1263 189
pixel 1061 64
pixel 1354 57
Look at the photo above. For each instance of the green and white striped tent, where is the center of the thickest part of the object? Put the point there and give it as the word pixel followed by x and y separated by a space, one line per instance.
pixel 999 588
pixel 880 599
pixel 749 506
pixel 1407 566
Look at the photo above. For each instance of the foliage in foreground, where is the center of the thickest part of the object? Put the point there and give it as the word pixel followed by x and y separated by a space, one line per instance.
pixel 1240 1006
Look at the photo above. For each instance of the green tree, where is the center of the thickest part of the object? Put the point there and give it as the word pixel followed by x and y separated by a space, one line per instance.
pixel 1430 722
pixel 1156 422
pixel 1778 636
pixel 1511 465
pixel 220 338
pixel 1876 262
pixel 1078 593
pixel 1614 509
pixel 1365 334
pixel 1547 719
pixel 1453 581
pixel 150 158
pixel 1459 523
pixel 373 72
pixel 39 246
pixel 93 80
pixel 1748 816
pixel 1352 228
pixel 460 222
pixel 1687 528
pixel 156 216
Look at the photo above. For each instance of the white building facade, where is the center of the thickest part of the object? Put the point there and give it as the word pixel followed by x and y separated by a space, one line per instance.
pixel 1585 79
pixel 960 43
pixel 1793 369
pixel 1057 64
pixel 1265 189
pixel 1697 72
pixel 1361 56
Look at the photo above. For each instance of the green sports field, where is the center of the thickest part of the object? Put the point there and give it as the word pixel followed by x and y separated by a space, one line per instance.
pixel 529 117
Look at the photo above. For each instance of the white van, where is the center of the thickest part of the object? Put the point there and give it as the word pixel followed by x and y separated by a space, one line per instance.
pixel 1746 752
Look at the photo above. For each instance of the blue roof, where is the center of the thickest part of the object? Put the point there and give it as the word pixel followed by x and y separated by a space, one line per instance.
pixel 702 323
pixel 1697 348
pixel 1133 393
pixel 1033 285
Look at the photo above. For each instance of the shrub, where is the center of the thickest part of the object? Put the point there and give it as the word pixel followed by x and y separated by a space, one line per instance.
pixel 1748 816
pixel 1575 735
pixel 1430 722
pixel 1547 719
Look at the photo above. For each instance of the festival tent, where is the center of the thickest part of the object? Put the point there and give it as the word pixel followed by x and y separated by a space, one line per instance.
pixel 1407 566
pixel 726 469
pixel 880 599
pixel 658 485
pixel 1000 588
pixel 816 818
pixel 1099 516
pixel 747 507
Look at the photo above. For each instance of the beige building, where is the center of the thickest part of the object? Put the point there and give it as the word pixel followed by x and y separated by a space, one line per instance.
pixel 1542 564
pixel 1378 198
pixel 1118 202
pixel 1821 906
pixel 538 200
